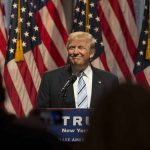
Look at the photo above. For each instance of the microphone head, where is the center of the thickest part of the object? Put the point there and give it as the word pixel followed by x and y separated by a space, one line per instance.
pixel 70 80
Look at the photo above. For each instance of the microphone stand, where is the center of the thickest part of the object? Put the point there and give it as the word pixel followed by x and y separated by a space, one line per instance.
pixel 64 94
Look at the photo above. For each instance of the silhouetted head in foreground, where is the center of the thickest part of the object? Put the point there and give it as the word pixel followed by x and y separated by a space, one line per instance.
pixel 121 121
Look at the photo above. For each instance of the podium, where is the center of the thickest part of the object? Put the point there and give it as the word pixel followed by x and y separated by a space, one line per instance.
pixel 68 124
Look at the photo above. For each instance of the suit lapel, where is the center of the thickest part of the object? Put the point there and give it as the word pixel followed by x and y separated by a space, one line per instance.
pixel 97 89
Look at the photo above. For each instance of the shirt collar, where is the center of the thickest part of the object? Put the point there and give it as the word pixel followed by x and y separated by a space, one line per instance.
pixel 88 71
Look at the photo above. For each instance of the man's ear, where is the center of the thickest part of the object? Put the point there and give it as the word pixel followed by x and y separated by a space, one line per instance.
pixel 91 55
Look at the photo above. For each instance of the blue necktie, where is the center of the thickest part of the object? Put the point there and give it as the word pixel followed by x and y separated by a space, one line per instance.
pixel 82 99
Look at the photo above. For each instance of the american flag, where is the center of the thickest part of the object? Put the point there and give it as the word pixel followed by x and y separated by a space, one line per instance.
pixel 119 36
pixel 141 61
pixel 43 35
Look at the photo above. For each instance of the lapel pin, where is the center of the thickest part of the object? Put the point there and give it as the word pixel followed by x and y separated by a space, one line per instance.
pixel 99 82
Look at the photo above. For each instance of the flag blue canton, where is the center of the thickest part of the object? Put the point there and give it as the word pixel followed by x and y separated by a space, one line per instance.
pixel 79 22
pixel 29 30
pixel 39 4
pixel 141 62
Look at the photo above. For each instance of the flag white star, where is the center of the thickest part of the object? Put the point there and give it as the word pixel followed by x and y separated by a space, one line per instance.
pixel 95 40
pixel 31 4
pixel 92 4
pixel 14 5
pixel 97 19
pixel 16 30
pixel 14 40
pixel 30 14
pixel 33 38
pixel 80 23
pixel 23 44
pixel 145 7
pixel 138 63
pixel 23 9
pixel 141 53
pixel 96 29
pixel 28 24
pixel 143 42
pixel 75 20
pixel 90 15
pixel 83 12
pixel 102 44
pixel 36 28
pixel 146 31
pixel 26 34
pixel 21 20
pixel 12 16
pixel 84 1
pixel 11 50
pixel 77 9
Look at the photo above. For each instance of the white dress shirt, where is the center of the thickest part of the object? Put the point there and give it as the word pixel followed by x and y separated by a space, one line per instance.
pixel 88 77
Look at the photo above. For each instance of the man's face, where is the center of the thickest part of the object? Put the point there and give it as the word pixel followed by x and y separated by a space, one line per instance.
pixel 79 52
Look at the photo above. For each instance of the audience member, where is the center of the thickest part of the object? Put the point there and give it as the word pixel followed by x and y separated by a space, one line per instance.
pixel 121 121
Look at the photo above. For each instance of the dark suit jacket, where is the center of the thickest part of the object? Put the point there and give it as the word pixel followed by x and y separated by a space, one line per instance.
pixel 49 92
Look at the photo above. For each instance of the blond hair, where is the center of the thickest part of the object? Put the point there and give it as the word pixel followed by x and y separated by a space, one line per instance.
pixel 80 35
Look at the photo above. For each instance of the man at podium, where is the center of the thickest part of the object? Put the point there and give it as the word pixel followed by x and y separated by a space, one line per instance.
pixel 77 84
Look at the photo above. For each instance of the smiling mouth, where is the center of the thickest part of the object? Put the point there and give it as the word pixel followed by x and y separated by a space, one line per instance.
pixel 75 58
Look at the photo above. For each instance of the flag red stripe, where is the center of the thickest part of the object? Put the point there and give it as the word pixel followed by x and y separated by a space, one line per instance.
pixel 3 9
pixel 13 94
pixel 131 5
pixel 129 41
pixel 104 62
pixel 114 46
pixel 49 43
pixel 2 44
pixel 24 70
pixel 142 79
pixel 39 61
pixel 56 18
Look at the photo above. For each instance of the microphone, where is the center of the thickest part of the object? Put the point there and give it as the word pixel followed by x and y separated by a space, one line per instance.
pixel 70 81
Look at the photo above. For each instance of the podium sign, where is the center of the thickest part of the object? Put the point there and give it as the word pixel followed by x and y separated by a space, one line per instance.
pixel 74 125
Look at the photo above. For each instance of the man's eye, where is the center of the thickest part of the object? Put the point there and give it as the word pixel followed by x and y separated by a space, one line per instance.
pixel 71 47
pixel 78 47
pixel 81 47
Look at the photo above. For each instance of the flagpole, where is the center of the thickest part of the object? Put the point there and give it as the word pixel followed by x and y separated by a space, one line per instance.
pixel 87 16
pixel 19 47
pixel 148 45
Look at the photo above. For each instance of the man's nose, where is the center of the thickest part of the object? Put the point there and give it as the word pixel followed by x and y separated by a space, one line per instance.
pixel 76 50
